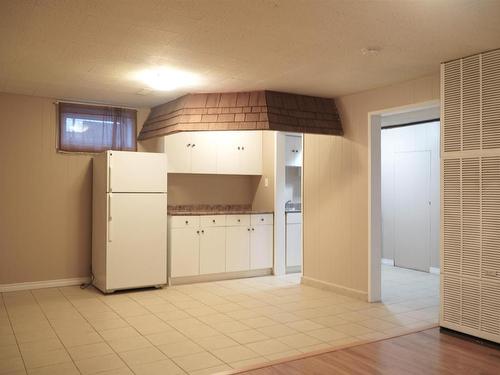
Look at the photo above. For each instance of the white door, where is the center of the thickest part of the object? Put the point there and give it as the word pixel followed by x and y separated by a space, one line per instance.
pixel 261 247
pixel 228 154
pixel 204 153
pixel 237 249
pixel 141 172
pixel 412 218
pixel 137 240
pixel 213 250
pixel 293 245
pixel 250 143
pixel 184 252
pixel 178 150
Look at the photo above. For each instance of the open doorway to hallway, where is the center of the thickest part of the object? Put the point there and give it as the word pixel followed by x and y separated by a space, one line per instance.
pixel 410 209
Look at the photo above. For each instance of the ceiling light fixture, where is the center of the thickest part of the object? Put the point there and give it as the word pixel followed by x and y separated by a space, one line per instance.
pixel 167 79
pixel 370 51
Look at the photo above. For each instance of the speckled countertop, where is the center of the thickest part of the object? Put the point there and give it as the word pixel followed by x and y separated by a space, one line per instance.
pixel 215 209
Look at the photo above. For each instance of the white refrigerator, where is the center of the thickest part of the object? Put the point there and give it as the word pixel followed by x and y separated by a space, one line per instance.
pixel 129 220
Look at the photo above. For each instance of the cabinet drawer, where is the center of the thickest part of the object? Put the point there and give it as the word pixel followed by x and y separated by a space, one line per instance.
pixel 184 221
pixel 264 219
pixel 213 221
pixel 237 220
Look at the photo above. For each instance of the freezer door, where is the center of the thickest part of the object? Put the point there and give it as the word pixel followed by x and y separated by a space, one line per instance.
pixel 141 172
pixel 136 241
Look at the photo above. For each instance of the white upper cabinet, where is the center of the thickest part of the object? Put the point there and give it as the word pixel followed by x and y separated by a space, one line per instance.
pixel 178 149
pixel 250 159
pixel 204 152
pixel 215 152
pixel 293 151
pixel 228 153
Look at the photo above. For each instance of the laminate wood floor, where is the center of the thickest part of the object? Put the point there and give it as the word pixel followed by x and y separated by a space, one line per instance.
pixel 426 352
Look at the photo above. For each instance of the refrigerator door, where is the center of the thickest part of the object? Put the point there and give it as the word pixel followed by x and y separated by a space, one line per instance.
pixel 136 240
pixel 137 172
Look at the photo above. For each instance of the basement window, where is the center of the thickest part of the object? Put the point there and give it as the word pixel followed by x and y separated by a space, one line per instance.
pixel 92 128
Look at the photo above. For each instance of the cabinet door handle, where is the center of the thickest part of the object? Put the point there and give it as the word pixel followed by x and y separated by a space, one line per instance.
pixel 253 229
pixel 239 220
pixel 242 148
pixel 188 145
pixel 261 219
pixel 202 232
pixel 197 232
pixel 193 145
pixel 187 222
pixel 213 221
pixel 248 229
pixel 239 147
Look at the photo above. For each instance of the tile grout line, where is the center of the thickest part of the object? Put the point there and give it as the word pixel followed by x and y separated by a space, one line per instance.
pixel 14 334
pixel 53 329
pixel 96 331
pixel 206 350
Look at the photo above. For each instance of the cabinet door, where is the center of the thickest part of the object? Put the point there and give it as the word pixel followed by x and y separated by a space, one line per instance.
pixel 261 247
pixel 293 245
pixel 178 150
pixel 204 152
pixel 293 151
pixel 237 249
pixel 212 250
pixel 250 153
pixel 228 155
pixel 184 252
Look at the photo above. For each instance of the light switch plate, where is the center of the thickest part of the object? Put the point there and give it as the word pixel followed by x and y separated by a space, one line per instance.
pixel 266 182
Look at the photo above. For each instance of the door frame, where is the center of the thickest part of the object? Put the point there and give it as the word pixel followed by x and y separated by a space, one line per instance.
pixel 279 267
pixel 375 193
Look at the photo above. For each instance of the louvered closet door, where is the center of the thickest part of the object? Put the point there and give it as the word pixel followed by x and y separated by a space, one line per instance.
pixel 490 69
pixel 470 239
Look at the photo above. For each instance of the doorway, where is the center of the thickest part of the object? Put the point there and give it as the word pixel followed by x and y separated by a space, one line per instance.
pixel 404 202
pixel 410 195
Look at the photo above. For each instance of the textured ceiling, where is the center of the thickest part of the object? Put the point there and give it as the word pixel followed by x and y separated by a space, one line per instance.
pixel 87 49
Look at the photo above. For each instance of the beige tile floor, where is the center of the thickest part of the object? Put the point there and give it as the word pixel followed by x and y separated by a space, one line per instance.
pixel 200 328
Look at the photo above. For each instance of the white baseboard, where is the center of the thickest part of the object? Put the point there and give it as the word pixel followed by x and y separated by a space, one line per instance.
pixel 435 270
pixel 43 284
pixel 354 293
pixel 389 262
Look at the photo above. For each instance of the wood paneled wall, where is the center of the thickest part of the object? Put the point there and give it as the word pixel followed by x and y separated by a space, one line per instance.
pixel 335 192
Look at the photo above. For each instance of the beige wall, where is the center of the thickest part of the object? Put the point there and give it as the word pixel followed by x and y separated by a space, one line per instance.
pixel 45 196
pixel 336 187
pixel 264 195
pixel 210 189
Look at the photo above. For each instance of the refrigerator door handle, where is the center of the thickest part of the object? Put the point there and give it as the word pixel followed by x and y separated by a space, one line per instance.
pixel 109 176
pixel 110 218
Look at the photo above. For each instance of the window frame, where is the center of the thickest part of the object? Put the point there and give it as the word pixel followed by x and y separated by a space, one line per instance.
pixel 82 149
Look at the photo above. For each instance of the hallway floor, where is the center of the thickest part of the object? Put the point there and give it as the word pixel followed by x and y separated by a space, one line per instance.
pixel 199 328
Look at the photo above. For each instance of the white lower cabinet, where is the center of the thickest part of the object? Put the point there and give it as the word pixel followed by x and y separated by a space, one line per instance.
pixel 184 252
pixel 202 245
pixel 237 248
pixel 212 250
pixel 261 247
